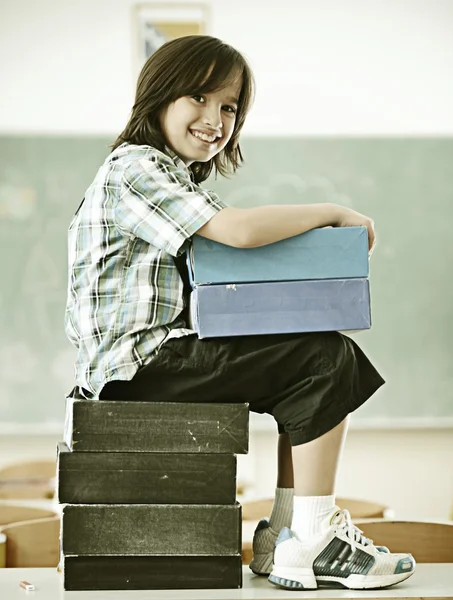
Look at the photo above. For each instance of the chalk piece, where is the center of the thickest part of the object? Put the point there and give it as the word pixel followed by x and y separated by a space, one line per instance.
pixel 27 586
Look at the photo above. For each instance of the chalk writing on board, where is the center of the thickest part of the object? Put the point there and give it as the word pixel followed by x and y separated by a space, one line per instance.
pixel 62 367
pixel 59 187
pixel 2 314
pixel 314 189
pixel 17 203
pixel 20 322
pixel 31 229
pixel 48 314
pixel 44 291
pixel 57 229
pixel 387 251
pixel 293 180
pixel 18 363
pixel 40 273
pixel 366 182
pixel 6 402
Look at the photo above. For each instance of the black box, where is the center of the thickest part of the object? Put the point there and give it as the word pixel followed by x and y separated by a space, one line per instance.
pixel 113 426
pixel 152 572
pixel 145 478
pixel 151 529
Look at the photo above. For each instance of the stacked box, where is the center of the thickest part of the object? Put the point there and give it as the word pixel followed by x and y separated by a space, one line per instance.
pixel 317 281
pixel 149 494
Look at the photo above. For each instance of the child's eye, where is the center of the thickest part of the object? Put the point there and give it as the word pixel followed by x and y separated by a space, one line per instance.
pixel 198 98
pixel 229 109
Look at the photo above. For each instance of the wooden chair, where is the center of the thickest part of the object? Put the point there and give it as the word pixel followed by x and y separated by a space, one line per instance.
pixel 255 510
pixel 2 550
pixel 426 541
pixel 31 479
pixel 359 509
pixel 30 469
pixel 365 509
pixel 31 543
pixel 13 513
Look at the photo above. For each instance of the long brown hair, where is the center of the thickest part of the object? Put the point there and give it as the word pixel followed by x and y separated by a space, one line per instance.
pixel 184 67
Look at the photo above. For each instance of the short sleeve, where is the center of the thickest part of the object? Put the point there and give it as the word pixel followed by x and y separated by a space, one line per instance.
pixel 161 205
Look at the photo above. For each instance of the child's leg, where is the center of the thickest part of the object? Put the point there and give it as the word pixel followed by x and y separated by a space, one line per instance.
pixel 315 468
pixel 324 547
pixel 282 510
pixel 310 469
pixel 315 463
pixel 285 475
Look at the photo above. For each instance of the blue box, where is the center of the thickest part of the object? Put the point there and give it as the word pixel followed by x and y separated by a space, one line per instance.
pixel 280 307
pixel 325 253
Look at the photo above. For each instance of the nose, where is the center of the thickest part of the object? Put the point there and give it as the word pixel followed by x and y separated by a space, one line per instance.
pixel 213 118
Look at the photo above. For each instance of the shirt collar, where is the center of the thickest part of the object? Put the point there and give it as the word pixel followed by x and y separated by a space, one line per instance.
pixel 177 160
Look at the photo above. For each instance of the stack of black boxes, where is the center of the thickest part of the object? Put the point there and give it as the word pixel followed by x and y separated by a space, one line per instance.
pixel 149 494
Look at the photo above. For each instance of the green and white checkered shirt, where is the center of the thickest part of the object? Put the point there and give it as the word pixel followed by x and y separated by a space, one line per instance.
pixel 125 293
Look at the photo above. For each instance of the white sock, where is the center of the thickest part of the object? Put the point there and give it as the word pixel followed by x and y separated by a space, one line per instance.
pixel 282 510
pixel 309 515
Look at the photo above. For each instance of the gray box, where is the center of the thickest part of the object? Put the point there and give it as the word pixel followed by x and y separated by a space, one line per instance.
pixel 152 572
pixel 323 253
pixel 280 307
pixel 151 529
pixel 117 426
pixel 145 478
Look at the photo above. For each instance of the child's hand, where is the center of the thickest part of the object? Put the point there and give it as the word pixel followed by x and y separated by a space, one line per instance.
pixel 351 218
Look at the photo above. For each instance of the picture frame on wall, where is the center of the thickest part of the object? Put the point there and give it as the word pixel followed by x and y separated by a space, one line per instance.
pixel 158 22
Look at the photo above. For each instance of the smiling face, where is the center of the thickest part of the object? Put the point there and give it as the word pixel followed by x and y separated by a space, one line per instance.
pixel 198 127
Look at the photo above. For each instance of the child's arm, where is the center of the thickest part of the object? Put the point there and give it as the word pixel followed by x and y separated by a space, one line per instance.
pixel 261 225
pixel 161 205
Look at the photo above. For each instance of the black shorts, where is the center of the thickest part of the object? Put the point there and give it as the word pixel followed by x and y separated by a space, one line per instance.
pixel 308 382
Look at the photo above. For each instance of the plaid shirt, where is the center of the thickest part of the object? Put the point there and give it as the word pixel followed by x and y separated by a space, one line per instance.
pixel 125 293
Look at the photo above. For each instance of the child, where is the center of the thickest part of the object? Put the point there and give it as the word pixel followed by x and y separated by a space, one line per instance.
pixel 127 296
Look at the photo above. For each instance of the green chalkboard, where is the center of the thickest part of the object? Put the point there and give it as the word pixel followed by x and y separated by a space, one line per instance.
pixel 406 185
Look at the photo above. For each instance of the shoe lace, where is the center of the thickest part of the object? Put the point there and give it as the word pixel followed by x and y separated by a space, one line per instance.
pixel 344 522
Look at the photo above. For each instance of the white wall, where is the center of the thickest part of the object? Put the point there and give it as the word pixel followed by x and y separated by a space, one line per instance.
pixel 322 67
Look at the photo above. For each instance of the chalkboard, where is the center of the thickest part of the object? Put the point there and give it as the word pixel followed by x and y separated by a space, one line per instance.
pixel 404 184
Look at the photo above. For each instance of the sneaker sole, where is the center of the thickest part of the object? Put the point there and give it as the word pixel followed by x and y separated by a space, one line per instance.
pixel 364 582
pixel 262 564
pixel 293 578
pixel 304 579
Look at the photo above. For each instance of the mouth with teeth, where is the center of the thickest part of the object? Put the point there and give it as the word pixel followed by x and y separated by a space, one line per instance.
pixel 204 137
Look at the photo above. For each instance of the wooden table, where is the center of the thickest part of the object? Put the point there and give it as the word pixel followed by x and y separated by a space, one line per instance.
pixel 428 581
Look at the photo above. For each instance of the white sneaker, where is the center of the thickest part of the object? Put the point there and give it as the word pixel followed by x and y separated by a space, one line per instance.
pixel 340 557
pixel 263 545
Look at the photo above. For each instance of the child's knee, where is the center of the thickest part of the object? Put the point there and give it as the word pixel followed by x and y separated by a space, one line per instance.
pixel 339 348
